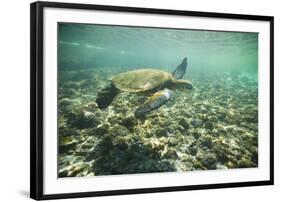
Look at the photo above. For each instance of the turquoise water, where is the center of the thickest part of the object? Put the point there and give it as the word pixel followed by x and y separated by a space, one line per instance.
pixel 100 46
pixel 212 126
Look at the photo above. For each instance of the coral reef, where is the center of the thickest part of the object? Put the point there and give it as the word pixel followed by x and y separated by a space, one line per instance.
pixel 214 126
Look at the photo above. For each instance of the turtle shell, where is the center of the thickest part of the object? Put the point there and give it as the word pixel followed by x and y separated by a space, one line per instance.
pixel 140 80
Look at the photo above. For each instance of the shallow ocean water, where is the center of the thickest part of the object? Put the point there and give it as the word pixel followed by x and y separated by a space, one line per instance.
pixel 212 126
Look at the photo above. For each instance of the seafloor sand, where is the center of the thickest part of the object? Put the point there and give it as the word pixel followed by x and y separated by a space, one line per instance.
pixel 214 126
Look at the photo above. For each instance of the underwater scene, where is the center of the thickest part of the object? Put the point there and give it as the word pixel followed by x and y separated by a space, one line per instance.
pixel 144 100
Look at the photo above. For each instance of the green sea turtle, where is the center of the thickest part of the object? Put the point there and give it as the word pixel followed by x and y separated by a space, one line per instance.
pixel 152 82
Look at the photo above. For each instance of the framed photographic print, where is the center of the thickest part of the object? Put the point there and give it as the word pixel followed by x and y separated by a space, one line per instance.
pixel 131 100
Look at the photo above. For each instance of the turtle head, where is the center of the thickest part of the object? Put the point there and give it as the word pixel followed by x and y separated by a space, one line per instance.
pixel 181 84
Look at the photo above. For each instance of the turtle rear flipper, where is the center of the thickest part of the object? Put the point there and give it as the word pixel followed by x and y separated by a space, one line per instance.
pixel 106 95
pixel 154 102
pixel 180 70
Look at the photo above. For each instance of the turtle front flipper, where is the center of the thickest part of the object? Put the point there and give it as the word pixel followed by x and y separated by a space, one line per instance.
pixel 154 102
pixel 106 95
pixel 180 70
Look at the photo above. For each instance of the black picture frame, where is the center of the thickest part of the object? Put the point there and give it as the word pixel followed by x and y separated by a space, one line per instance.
pixel 36 97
